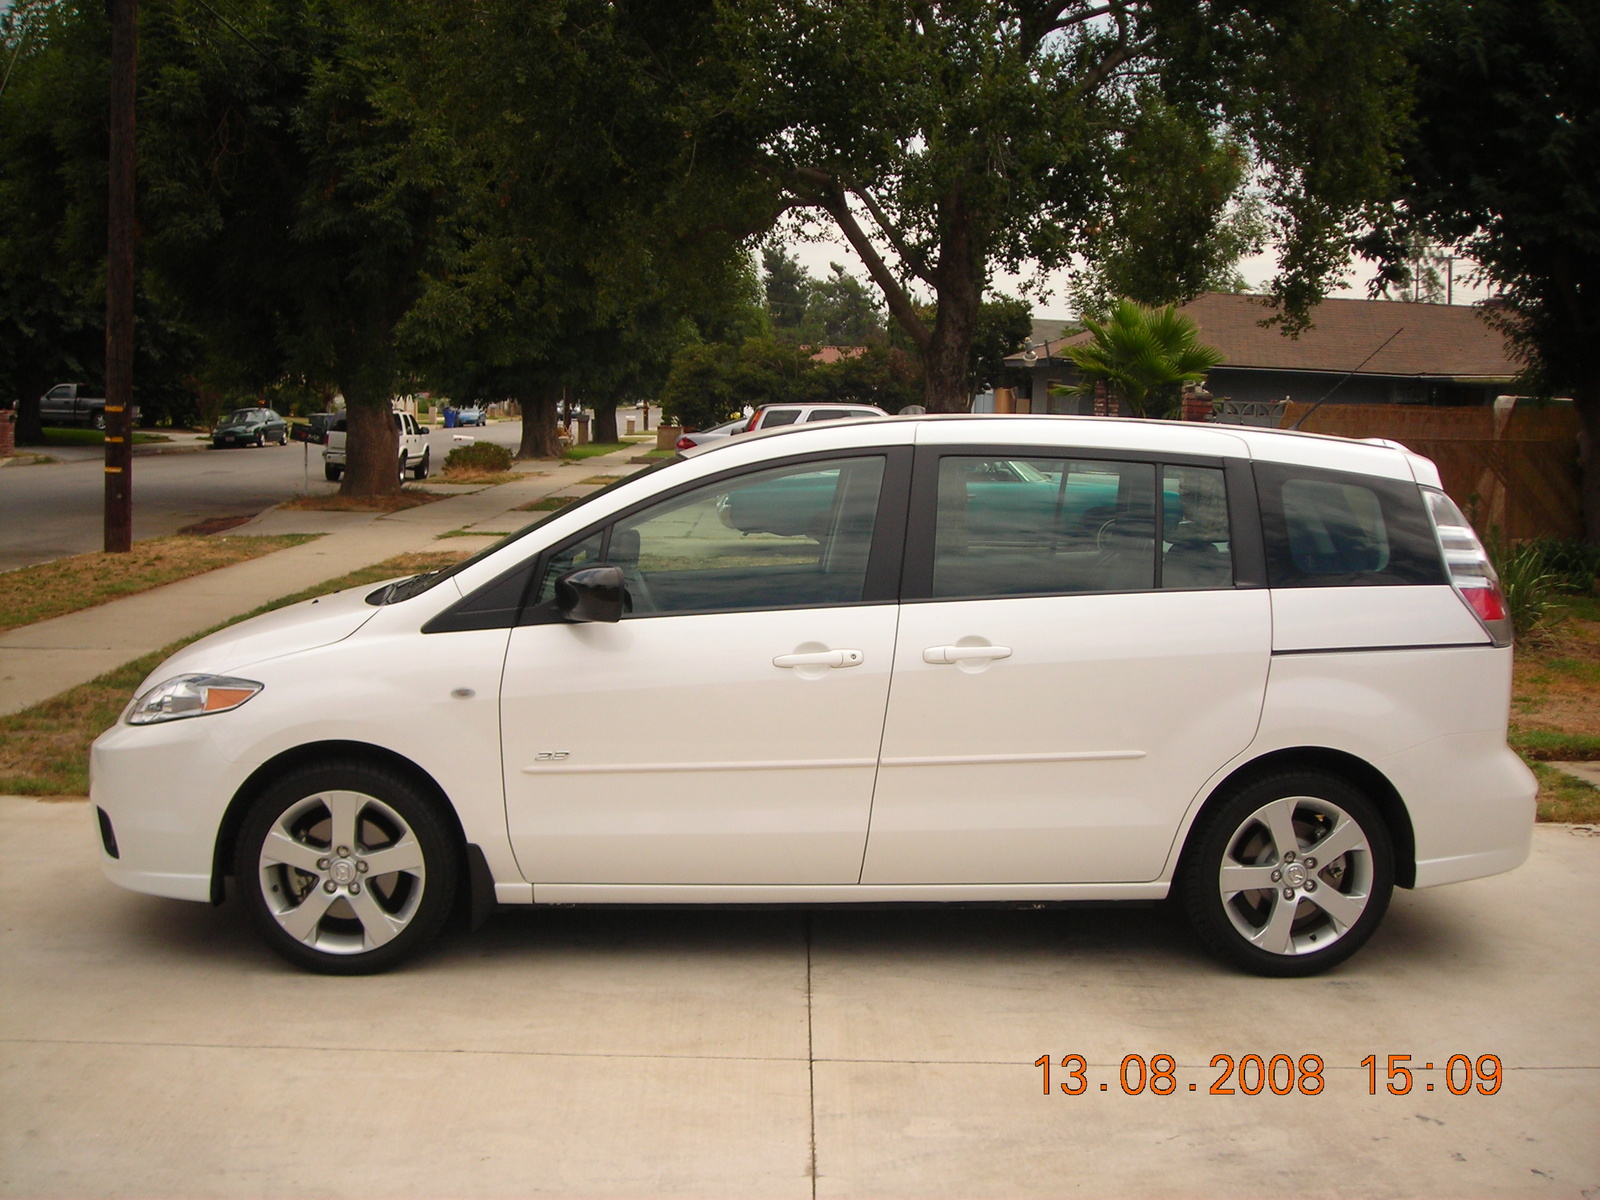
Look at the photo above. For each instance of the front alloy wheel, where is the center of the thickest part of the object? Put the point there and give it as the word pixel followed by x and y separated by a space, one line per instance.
pixel 1289 876
pixel 346 869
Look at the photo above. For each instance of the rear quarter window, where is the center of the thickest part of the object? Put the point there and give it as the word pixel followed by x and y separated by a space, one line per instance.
pixel 1333 529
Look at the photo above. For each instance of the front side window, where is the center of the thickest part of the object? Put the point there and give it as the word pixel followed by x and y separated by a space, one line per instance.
pixel 61 393
pixel 791 537
pixel 1329 528
pixel 1041 526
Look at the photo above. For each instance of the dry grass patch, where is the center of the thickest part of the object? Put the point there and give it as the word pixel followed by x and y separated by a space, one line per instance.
pixel 1555 695
pixel 1566 798
pixel 44 750
pixel 600 479
pixel 545 504
pixel 486 478
pixel 68 585
pixel 395 502
pixel 1555 707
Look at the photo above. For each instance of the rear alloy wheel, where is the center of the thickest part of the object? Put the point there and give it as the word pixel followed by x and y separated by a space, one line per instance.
pixel 99 419
pixel 1290 875
pixel 346 869
pixel 332 473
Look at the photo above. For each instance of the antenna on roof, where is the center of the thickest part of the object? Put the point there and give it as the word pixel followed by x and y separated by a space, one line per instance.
pixel 1346 376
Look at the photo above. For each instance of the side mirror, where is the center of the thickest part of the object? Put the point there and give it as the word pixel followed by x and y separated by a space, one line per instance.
pixel 592 594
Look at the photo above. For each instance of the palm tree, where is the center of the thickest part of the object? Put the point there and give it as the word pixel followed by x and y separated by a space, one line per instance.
pixel 1144 356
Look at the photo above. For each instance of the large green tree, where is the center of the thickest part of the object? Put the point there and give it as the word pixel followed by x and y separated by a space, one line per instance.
pixel 1505 166
pixel 279 212
pixel 578 243
pixel 943 139
pixel 53 154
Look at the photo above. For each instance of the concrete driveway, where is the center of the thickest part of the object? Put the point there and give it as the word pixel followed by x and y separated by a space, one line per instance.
pixel 154 1048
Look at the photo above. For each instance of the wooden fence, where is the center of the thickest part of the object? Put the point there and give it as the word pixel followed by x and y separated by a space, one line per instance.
pixel 1513 471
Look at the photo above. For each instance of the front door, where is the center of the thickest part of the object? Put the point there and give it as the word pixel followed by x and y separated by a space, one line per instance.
pixel 1069 681
pixel 726 729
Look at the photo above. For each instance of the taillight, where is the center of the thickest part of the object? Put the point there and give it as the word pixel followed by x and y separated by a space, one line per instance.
pixel 754 422
pixel 685 443
pixel 1471 573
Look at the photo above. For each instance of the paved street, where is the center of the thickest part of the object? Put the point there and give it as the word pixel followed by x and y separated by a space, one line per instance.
pixel 54 510
pixel 154 1047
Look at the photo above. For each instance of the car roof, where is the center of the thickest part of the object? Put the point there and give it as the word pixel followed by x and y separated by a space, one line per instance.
pixel 1290 447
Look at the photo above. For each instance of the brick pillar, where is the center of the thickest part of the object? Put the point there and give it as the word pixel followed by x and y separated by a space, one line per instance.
pixel 1197 408
pixel 8 433
pixel 1102 403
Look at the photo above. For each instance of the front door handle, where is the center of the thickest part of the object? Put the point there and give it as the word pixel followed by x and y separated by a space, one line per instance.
pixel 939 655
pixel 821 658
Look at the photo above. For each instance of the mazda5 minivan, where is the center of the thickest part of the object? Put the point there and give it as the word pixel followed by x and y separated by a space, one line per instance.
pixel 951 659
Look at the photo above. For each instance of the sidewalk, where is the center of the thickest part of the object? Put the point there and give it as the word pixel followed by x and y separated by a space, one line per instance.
pixel 41 660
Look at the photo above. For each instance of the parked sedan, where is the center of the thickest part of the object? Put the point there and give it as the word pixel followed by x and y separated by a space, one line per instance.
pixel 971 660
pixel 250 427
pixel 716 433
pixel 472 414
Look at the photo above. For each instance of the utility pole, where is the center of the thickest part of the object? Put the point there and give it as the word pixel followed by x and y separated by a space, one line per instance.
pixel 124 19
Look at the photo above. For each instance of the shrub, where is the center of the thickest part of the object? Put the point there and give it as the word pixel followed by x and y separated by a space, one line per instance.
pixel 1575 564
pixel 1528 584
pixel 478 457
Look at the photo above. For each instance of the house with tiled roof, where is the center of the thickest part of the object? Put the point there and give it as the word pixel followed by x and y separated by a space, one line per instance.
pixel 1356 352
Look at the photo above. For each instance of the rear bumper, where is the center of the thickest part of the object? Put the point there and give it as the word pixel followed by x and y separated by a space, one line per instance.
pixel 1472 803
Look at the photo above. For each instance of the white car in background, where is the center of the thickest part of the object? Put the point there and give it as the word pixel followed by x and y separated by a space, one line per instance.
pixel 415 457
pixel 1265 672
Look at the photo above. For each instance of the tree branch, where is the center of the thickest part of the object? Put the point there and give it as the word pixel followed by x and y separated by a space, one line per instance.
pixel 915 260
pixel 825 192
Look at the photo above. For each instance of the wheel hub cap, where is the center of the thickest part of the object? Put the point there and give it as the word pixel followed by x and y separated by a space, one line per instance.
pixel 1294 874
pixel 342 870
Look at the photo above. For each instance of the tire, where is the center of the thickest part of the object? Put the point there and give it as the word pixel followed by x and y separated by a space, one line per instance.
pixel 98 420
pixel 289 857
pixel 1333 907
pixel 261 440
pixel 331 472
pixel 283 438
pixel 402 466
pixel 422 468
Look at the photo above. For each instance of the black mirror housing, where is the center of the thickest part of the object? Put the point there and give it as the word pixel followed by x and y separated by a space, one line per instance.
pixel 592 594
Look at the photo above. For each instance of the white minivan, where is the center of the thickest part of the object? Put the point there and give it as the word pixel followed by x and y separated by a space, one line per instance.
pixel 954 659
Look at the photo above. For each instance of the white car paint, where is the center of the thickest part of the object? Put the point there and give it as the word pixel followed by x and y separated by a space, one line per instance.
pixel 668 759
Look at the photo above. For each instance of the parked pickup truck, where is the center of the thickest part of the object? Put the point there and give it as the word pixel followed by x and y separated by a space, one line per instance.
pixel 71 404
pixel 413 448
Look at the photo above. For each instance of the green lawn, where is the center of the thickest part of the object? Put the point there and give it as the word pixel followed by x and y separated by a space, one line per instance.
pixel 93 437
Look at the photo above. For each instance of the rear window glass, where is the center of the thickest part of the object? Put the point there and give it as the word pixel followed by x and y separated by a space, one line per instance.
pixel 1330 529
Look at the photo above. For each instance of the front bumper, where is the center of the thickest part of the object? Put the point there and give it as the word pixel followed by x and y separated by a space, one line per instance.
pixel 164 789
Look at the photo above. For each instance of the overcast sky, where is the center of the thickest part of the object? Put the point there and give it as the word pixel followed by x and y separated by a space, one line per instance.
pixel 1257 270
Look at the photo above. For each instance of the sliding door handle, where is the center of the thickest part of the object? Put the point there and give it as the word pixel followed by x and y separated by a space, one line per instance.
pixel 939 655
pixel 821 658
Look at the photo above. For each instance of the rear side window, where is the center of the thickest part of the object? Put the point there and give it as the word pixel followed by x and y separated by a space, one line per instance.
pixel 828 414
pixel 780 416
pixel 1332 529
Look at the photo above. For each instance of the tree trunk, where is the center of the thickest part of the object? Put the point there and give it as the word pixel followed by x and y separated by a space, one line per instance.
pixel 539 438
pixel 1586 400
pixel 958 281
pixel 371 449
pixel 605 422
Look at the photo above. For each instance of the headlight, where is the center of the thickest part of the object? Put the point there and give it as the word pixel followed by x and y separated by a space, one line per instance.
pixel 190 696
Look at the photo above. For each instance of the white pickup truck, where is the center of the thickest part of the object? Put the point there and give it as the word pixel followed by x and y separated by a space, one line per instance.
pixel 414 457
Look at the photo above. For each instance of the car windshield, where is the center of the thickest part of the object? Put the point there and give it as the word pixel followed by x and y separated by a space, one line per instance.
pixel 405 589
pixel 240 416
